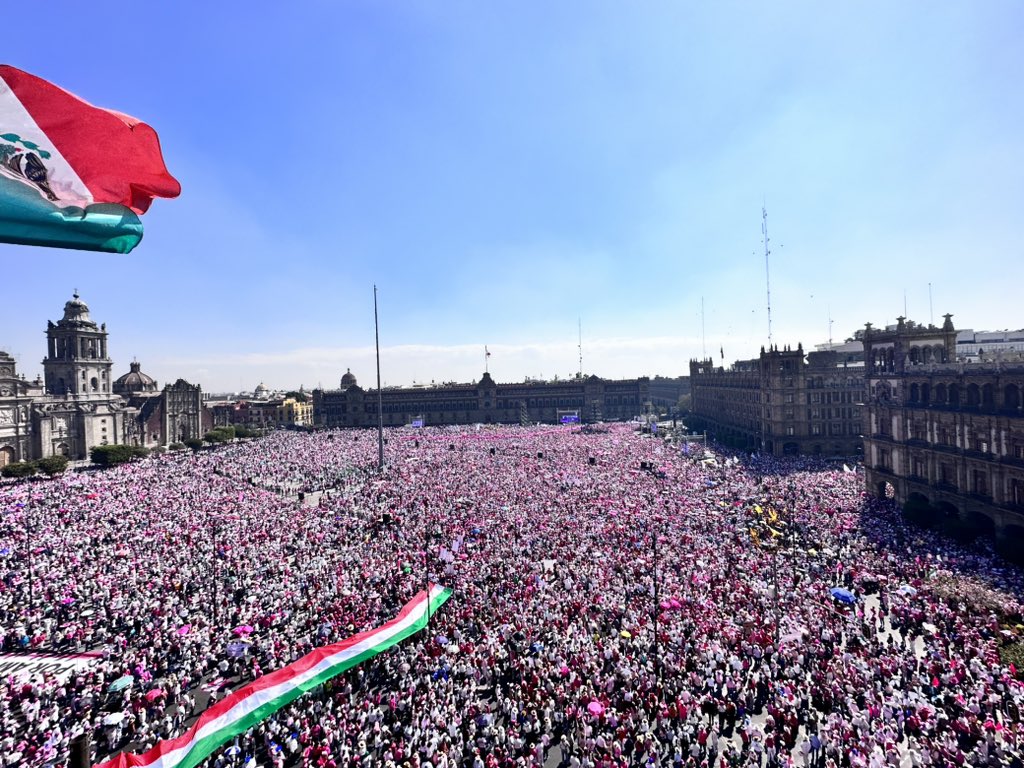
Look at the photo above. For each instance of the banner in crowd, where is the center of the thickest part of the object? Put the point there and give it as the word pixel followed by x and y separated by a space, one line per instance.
pixel 36 666
pixel 73 175
pixel 249 705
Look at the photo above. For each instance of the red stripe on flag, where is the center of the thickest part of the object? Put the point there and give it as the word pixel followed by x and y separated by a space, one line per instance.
pixel 311 659
pixel 117 156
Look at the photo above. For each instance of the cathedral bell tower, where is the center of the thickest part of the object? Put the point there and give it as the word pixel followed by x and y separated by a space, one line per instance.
pixel 77 365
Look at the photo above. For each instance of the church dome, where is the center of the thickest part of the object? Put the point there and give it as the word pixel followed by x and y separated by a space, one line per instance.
pixel 261 392
pixel 348 380
pixel 76 312
pixel 134 382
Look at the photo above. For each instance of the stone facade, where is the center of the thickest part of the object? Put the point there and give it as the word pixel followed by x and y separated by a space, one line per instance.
pixel 17 395
pixel 77 405
pixel 781 403
pixel 486 402
pixel 945 438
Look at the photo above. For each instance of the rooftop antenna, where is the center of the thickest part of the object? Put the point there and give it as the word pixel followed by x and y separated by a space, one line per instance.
pixel 904 302
pixel 380 395
pixel 579 322
pixel 830 326
pixel 931 316
pixel 703 338
pixel 767 275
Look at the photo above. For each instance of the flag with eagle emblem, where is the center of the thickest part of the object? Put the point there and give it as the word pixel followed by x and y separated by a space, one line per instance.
pixel 73 175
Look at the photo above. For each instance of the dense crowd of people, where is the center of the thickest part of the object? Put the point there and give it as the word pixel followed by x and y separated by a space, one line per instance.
pixel 603 614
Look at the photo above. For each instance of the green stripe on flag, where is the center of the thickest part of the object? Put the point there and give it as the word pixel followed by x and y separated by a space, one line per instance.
pixel 27 218
pixel 206 746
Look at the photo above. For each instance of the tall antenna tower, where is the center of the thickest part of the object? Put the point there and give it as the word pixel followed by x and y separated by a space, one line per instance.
pixel 703 338
pixel 579 322
pixel 767 275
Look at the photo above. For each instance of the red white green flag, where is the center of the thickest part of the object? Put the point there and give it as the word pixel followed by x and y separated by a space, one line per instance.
pixel 247 706
pixel 73 175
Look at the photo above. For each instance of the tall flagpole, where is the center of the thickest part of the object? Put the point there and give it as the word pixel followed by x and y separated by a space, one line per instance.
pixel 380 395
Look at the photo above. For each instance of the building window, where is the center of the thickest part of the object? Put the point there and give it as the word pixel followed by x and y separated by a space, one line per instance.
pixel 884 459
pixel 980 482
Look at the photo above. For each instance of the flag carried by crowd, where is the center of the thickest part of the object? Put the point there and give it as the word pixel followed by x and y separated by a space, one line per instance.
pixel 73 175
pixel 247 706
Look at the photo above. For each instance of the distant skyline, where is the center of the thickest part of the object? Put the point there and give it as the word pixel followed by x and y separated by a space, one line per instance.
pixel 503 171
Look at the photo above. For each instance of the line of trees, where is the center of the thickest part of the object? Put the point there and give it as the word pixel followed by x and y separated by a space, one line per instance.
pixel 50 466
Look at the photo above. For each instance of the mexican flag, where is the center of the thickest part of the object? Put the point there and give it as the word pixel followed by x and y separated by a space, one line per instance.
pixel 249 705
pixel 73 175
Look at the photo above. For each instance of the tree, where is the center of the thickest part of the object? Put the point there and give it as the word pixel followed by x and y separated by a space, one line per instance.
pixel 19 469
pixel 53 465
pixel 194 443
pixel 299 397
pixel 112 455
pixel 220 435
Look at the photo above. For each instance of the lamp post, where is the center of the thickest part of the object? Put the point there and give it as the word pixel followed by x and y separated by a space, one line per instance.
pixel 216 617
pixel 29 531
pixel 657 655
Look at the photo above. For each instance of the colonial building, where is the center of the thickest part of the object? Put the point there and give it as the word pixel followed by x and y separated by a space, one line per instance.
pixel 945 438
pixel 79 409
pixel 665 392
pixel 16 398
pixel 588 399
pixel 781 403
pixel 78 405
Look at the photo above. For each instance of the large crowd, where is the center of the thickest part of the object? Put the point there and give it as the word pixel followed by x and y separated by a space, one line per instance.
pixel 618 601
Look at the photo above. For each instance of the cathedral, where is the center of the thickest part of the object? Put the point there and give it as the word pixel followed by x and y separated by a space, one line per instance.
pixel 77 404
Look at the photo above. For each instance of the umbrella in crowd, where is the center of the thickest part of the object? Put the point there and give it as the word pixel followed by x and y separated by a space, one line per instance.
pixel 843 595
pixel 121 683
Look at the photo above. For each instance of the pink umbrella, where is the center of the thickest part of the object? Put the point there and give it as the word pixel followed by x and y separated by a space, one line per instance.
pixel 184 629
pixel 564 671
pixel 244 629
pixel 153 695
pixel 596 708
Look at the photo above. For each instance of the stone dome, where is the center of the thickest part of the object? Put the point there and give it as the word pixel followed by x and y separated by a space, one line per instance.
pixel 135 382
pixel 261 392
pixel 348 380
pixel 76 312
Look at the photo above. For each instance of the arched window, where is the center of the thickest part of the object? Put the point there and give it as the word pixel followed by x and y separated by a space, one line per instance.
pixel 1011 397
pixel 973 396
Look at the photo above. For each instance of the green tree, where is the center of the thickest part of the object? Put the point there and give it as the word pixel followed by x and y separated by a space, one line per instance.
pixel 19 469
pixel 194 443
pixel 53 465
pixel 112 455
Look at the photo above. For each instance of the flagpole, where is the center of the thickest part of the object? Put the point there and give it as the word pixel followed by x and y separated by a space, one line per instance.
pixel 380 395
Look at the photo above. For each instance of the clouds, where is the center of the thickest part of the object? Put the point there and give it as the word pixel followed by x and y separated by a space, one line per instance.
pixel 610 357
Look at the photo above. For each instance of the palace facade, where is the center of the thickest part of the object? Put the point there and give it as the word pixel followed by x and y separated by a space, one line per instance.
pixel 945 438
pixel 782 403
pixel 591 399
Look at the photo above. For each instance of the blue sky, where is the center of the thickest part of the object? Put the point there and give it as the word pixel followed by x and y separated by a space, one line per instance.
pixel 501 170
